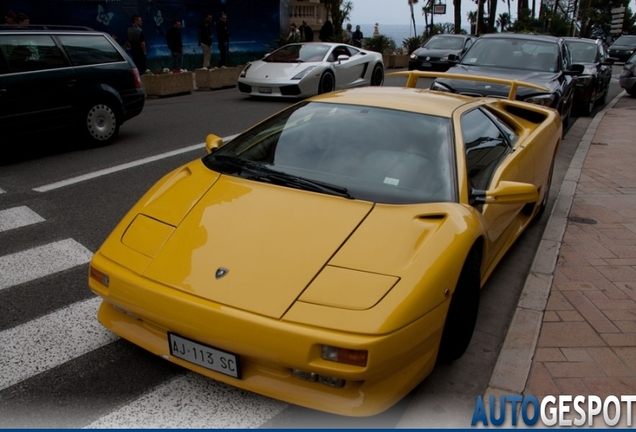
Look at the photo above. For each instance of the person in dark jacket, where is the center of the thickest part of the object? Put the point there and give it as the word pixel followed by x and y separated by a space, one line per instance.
pixel 223 36
pixel 326 31
pixel 175 44
pixel 205 39
pixel 306 33
pixel 137 42
pixel 357 37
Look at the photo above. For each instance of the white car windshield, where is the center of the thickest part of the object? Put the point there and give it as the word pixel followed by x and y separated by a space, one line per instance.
pixel 298 53
pixel 361 152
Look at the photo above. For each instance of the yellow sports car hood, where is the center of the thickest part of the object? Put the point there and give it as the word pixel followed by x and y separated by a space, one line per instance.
pixel 253 246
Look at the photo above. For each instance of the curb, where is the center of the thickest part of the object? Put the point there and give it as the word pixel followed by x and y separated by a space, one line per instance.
pixel 514 362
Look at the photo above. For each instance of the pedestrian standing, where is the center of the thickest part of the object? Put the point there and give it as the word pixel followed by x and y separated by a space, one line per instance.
pixel 137 42
pixel 347 34
pixel 223 36
pixel 357 37
pixel 306 32
pixel 205 39
pixel 326 31
pixel 10 18
pixel 175 44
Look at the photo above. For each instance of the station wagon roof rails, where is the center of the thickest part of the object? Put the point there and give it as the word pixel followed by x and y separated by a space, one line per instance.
pixel 45 27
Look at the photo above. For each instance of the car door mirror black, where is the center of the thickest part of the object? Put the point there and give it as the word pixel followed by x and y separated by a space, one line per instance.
pixel 454 58
pixel 575 69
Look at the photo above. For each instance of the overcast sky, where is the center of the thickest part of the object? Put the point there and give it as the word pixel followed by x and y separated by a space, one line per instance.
pixel 398 11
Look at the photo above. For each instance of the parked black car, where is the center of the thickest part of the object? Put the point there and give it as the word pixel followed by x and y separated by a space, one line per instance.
pixel 433 55
pixel 627 79
pixel 541 60
pixel 592 86
pixel 52 78
pixel 623 47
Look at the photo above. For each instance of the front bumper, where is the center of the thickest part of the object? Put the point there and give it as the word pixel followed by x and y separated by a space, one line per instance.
pixel 143 312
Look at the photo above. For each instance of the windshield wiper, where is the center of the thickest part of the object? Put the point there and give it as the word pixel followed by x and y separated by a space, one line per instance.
pixel 262 173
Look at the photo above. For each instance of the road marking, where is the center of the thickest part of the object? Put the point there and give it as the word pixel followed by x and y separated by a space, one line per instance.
pixel 49 341
pixel 18 217
pixel 41 261
pixel 193 401
pixel 117 168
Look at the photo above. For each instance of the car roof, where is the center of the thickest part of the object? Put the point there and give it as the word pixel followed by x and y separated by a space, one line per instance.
pixel 422 101
pixel 527 36
pixel 580 39
pixel 45 28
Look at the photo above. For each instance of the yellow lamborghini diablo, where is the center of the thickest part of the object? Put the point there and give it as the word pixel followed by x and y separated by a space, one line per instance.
pixel 331 254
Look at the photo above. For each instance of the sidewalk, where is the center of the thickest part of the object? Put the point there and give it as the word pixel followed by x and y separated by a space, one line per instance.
pixel 574 330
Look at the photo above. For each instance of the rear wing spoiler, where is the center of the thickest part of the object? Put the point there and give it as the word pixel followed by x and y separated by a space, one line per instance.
pixel 413 76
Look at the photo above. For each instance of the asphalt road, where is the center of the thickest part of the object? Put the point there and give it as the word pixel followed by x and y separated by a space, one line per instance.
pixel 58 202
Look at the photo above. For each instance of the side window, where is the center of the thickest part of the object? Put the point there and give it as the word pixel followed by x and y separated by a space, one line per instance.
pixel 485 145
pixel 89 49
pixel 27 53
pixel 469 42
pixel 565 57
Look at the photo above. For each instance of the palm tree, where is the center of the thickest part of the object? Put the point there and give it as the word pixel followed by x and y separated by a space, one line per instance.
pixel 411 3
pixel 457 6
pixel 503 21
pixel 492 14
pixel 481 28
pixel 472 20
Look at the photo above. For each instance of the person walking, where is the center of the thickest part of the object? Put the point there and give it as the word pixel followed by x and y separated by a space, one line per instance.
pixel 223 36
pixel 205 39
pixel 306 32
pixel 137 42
pixel 175 44
pixel 357 37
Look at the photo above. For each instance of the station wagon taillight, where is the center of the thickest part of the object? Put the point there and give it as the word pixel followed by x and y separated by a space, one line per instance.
pixel 137 78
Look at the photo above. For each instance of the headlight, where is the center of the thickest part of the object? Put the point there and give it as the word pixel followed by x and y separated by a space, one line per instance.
pixel 244 71
pixel 440 87
pixel 444 59
pixel 413 56
pixel 302 73
pixel 545 100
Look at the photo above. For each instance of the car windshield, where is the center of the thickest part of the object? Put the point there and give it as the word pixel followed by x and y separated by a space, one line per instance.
pixel 523 54
pixel 444 42
pixel 625 40
pixel 583 52
pixel 361 152
pixel 297 53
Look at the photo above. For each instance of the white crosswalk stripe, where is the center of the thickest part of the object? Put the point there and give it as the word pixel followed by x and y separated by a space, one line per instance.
pixel 49 341
pixel 193 401
pixel 41 261
pixel 18 217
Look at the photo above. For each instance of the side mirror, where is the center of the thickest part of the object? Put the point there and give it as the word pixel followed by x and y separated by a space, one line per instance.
pixel 575 69
pixel 508 192
pixel 454 58
pixel 342 58
pixel 213 143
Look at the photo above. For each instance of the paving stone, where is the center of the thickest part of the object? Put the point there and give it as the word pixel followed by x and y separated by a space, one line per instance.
pixel 569 334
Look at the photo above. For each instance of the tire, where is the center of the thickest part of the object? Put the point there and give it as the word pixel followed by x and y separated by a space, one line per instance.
pixel 603 99
pixel 100 123
pixel 327 83
pixel 377 78
pixel 632 92
pixel 462 312
pixel 587 109
pixel 546 195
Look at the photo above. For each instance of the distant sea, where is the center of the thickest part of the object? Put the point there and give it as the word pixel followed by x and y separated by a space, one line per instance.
pixel 397 32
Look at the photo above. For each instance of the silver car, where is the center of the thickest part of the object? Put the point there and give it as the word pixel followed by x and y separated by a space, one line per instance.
pixel 627 80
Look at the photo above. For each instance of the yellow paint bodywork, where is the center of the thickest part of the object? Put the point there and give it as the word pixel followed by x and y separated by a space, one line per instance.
pixel 309 269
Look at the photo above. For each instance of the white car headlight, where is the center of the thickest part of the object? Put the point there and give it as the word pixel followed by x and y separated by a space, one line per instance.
pixel 545 100
pixel 301 74
pixel 440 87
pixel 244 71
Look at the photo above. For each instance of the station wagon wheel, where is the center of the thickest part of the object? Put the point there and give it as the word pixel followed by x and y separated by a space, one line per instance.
pixel 462 312
pixel 100 123
pixel 327 83
pixel 377 78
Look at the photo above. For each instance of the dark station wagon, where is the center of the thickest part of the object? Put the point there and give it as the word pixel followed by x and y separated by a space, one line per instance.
pixel 62 77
